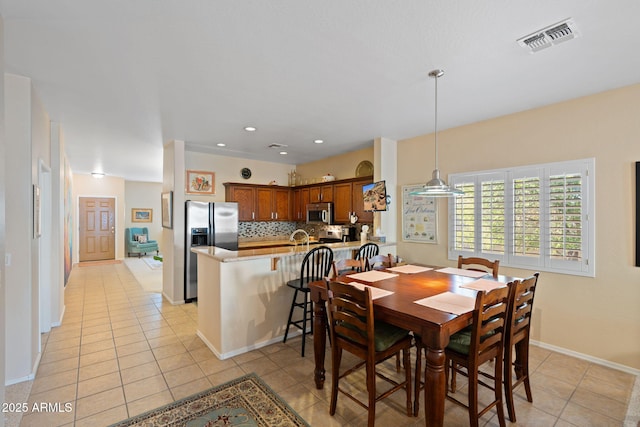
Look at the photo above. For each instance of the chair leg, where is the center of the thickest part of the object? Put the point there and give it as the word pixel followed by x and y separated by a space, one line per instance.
pixel 497 373
pixel 371 389
pixel 336 357
pixel 418 379
pixel 508 383
pixel 522 361
pixel 473 398
pixel 293 304
pixel 305 309
pixel 406 354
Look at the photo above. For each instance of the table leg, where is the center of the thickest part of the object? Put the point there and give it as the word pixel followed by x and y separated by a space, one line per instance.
pixel 435 387
pixel 319 341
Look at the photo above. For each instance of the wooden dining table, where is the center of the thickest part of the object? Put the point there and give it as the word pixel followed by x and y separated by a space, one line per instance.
pixel 399 308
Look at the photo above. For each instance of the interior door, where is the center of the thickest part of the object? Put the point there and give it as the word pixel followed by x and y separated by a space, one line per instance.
pixel 97 228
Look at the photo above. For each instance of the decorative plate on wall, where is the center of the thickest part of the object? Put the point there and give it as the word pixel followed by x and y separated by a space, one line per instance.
pixel 364 168
pixel 245 173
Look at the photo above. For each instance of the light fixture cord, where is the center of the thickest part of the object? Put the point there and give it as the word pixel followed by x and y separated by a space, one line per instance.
pixel 435 132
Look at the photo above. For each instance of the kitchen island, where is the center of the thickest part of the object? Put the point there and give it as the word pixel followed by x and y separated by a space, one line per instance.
pixel 243 300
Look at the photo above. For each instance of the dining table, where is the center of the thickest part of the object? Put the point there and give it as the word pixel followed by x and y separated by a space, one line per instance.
pixel 404 297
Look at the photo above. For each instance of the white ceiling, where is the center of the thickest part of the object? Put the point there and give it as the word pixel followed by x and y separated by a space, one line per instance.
pixel 122 77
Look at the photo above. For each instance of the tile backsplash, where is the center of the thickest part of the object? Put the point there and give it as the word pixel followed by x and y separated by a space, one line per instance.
pixel 272 230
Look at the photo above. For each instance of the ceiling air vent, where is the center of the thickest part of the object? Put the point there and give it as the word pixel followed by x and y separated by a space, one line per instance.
pixel 276 145
pixel 549 36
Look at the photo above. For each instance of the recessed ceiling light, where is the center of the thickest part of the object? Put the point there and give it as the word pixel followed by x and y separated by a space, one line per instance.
pixel 250 128
pixel 221 144
pixel 97 175
pixel 318 141
pixel 284 153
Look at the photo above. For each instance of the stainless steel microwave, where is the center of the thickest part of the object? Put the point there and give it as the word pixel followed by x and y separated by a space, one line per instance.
pixel 320 213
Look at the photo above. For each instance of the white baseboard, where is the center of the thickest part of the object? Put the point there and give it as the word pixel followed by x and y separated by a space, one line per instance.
pixel 29 377
pixel 597 361
pixel 223 356
pixel 172 302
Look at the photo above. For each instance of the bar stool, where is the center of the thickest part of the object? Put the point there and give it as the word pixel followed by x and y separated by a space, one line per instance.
pixel 316 265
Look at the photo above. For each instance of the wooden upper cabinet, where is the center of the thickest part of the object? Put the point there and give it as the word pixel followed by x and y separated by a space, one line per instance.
pixel 358 200
pixel 342 202
pixel 300 202
pixel 260 202
pixel 245 197
pixel 321 193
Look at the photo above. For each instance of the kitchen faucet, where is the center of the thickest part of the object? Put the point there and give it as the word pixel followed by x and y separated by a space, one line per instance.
pixel 299 230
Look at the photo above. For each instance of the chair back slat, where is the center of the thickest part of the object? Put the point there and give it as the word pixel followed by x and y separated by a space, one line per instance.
pixel 367 251
pixel 385 261
pixel 344 266
pixel 521 306
pixel 350 314
pixel 479 264
pixel 489 320
pixel 316 265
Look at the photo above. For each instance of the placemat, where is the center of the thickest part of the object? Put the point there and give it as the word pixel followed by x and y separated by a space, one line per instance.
pixel 449 303
pixel 484 285
pixel 372 276
pixel 375 292
pixel 462 272
pixel 409 269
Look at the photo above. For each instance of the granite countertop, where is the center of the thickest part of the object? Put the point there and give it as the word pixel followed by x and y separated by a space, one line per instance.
pixel 255 244
pixel 224 255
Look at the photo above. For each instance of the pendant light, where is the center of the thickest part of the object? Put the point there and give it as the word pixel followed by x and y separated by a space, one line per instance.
pixel 436 187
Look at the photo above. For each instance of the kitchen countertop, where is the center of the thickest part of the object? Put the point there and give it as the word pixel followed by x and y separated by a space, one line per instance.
pixel 254 244
pixel 224 255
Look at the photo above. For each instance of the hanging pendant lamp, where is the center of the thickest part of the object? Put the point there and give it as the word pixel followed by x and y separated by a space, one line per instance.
pixel 437 187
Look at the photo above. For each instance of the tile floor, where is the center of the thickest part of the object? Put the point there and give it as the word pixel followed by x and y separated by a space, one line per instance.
pixel 122 350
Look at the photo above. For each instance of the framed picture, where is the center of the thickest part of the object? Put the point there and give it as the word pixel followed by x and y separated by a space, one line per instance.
pixel 200 182
pixel 141 215
pixel 167 209
pixel 37 215
pixel 419 216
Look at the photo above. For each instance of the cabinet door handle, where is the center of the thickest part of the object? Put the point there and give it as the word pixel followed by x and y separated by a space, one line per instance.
pixel 253 215
pixel 276 215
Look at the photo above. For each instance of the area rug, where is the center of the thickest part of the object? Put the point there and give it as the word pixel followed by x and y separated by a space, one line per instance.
pixel 246 401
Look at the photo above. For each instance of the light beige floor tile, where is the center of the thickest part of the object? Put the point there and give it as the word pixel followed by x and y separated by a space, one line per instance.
pixel 190 388
pixel 225 376
pixel 46 369
pixel 129 339
pixel 177 361
pixel 57 355
pixel 63 394
pixel 97 357
pixel 140 372
pixel 143 388
pixel 135 347
pixel 215 365
pixel 602 404
pixel 98 369
pixel 50 382
pixel 99 328
pixel 585 417
pixel 149 403
pixel 110 416
pixel 62 344
pixel 201 354
pixel 99 336
pixel 99 402
pixel 161 336
pixel 183 375
pixel 40 419
pixel 169 350
pixel 279 380
pixel 93 347
pixel 127 331
pixel 99 384
pixel 261 366
pixel 136 359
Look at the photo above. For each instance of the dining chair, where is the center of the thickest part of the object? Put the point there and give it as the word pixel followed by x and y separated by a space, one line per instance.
pixel 472 347
pixel 316 265
pixel 479 264
pixel 353 328
pixel 347 265
pixel 367 251
pixel 384 261
pixel 517 337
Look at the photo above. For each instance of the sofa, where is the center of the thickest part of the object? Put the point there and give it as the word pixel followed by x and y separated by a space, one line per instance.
pixel 137 241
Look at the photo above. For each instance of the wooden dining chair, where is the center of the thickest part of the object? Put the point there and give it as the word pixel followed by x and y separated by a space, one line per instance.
pixel 478 344
pixel 316 265
pixel 517 337
pixel 479 264
pixel 383 261
pixel 353 328
pixel 346 266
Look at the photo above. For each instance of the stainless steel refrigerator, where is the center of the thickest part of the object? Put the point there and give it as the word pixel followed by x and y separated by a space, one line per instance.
pixel 207 224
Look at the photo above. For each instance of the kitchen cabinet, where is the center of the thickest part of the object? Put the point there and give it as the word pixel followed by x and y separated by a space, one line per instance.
pixel 300 202
pixel 357 200
pixel 347 199
pixel 321 193
pixel 260 202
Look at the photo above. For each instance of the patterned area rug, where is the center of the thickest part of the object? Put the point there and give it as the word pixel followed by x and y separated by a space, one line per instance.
pixel 246 401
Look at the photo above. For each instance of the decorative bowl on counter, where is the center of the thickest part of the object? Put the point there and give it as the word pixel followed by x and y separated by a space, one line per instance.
pixel 328 178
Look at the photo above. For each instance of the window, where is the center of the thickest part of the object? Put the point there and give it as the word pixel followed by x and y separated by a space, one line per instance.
pixel 535 217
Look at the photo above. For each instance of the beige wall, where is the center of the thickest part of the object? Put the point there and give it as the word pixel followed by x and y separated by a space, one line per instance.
pixel 342 166
pixel 109 186
pixel 145 195
pixel 598 317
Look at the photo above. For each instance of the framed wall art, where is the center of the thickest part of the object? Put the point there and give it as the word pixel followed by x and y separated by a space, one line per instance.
pixel 200 182
pixel 419 216
pixel 167 209
pixel 141 215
